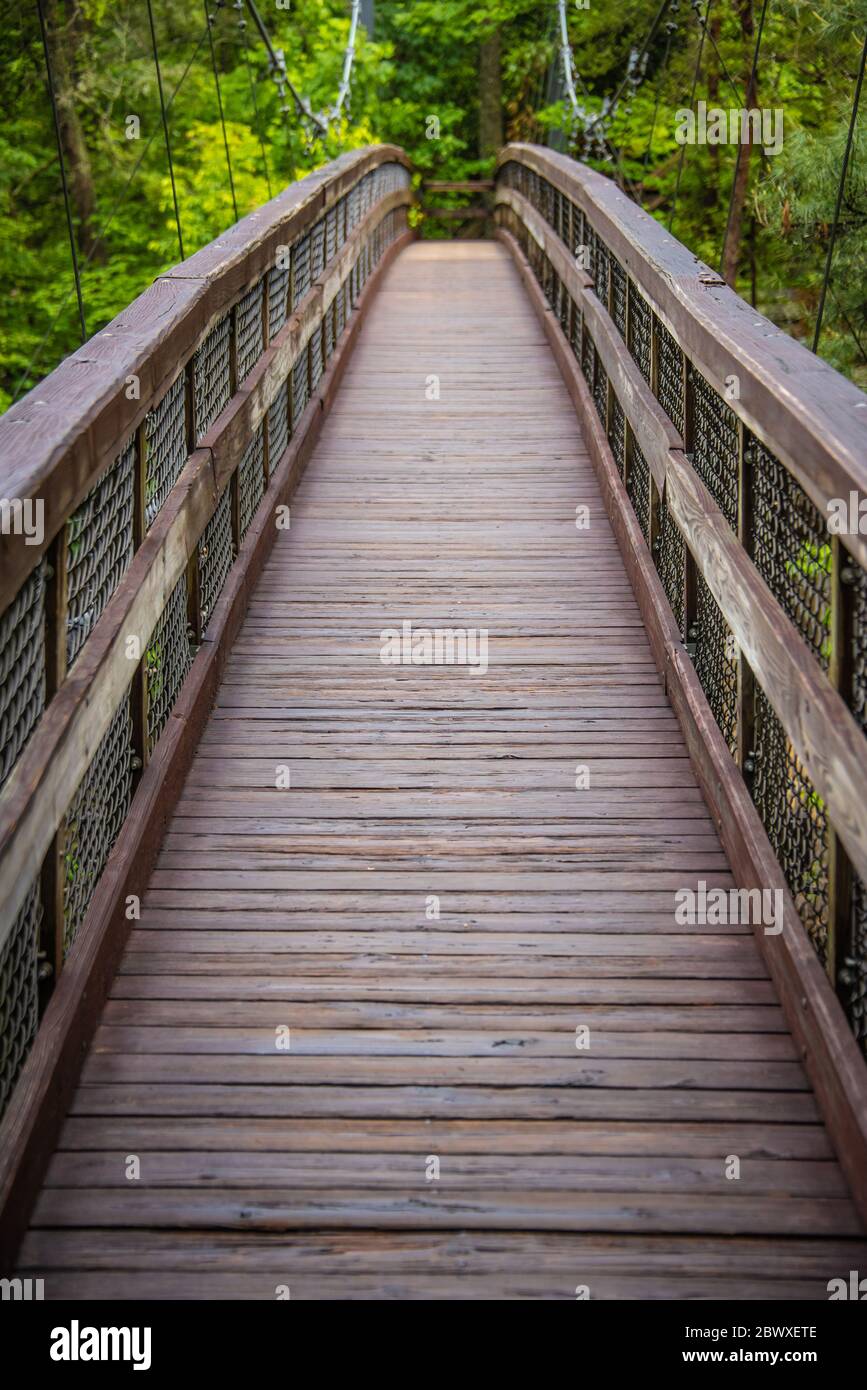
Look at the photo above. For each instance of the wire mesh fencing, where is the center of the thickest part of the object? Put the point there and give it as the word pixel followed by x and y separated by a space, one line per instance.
pixel 98 545
pixel 780 529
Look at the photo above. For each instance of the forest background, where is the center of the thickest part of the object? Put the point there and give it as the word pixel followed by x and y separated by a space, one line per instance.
pixel 486 70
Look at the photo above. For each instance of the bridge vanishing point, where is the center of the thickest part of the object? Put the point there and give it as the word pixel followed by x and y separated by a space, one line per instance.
pixel 366 978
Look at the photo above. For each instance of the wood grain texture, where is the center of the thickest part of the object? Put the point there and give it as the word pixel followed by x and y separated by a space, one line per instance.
pixel 826 1044
pixel 307 907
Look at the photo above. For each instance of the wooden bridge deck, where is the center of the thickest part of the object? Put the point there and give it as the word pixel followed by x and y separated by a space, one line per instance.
pixel 412 1038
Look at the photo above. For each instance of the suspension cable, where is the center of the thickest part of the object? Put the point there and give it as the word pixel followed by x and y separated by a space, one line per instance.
pixel 242 26
pixel 106 227
pixel 672 29
pixel 348 59
pixel 209 20
pixel 277 65
pixel 850 140
pixel 603 143
pixel 749 97
pixel 634 66
pixel 703 26
pixel 76 274
pixel 166 127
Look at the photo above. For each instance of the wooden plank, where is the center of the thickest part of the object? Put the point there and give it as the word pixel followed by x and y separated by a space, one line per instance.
pixel 453 1035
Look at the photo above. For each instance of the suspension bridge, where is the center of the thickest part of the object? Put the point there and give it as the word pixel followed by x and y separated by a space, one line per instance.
pixel 361 978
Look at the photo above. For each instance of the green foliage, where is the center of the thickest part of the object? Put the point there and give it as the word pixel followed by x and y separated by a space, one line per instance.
pixel 422 62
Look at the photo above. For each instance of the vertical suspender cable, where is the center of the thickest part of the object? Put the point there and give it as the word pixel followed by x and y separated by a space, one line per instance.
pixel 659 83
pixel 220 107
pixel 703 27
pixel 242 25
pixel 850 140
pixel 166 127
pixel 748 98
pixel 69 223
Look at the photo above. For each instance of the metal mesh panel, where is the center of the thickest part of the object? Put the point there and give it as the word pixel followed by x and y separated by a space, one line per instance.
pixel 638 488
pixel 716 662
pixel 566 226
pixel 248 330
pixel 165 446
pixel 617 437
pixel 317 249
pixel 341 309
pixel 22 668
pixel 317 360
pixel 99 546
pixel 19 992
pixel 669 376
pixel 789 544
pixel 577 320
pixel 715 456
pixel 640 328
pixel 278 293
pixel 330 337
pixel 853 971
pixel 856 577
pixel 598 264
pixel 600 389
pixel 216 553
pixel 167 661
pixel 588 358
pixel 565 309
pixel 94 819
pixel 579 230
pixel 670 550
pixel 330 233
pixel 212 373
pixel 278 425
pixel 251 478
pixel 354 204
pixel 301 279
pixel 618 295
pixel 794 817
pixel 299 389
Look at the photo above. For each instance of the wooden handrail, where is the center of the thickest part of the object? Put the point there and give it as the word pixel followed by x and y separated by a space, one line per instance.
pixel 56 442
pixel 812 423
pixel 809 415
pixel 821 728
pixel 59 461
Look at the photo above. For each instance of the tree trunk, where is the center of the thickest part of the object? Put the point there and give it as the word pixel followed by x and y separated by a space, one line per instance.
pixel 732 248
pixel 64 23
pixel 490 97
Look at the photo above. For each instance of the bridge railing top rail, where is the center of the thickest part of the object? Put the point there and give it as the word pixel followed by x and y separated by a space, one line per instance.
pixel 808 414
pixel 158 454
pixel 58 439
pixel 731 453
